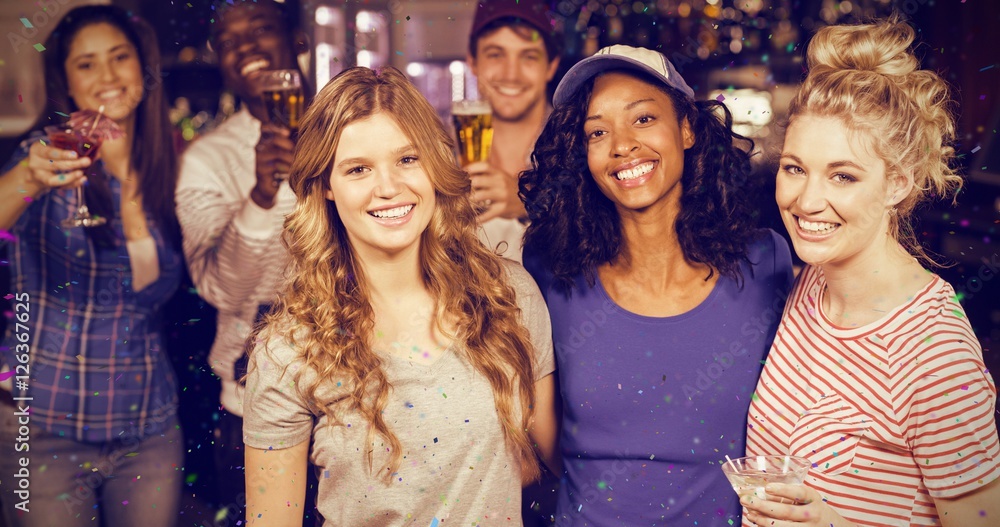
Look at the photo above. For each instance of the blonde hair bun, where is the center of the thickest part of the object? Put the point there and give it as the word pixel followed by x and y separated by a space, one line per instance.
pixel 868 76
pixel 880 48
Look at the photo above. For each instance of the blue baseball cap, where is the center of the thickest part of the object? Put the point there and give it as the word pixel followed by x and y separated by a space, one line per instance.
pixel 620 57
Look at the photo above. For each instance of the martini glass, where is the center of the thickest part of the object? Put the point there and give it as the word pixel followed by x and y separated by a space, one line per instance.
pixel 66 138
pixel 749 475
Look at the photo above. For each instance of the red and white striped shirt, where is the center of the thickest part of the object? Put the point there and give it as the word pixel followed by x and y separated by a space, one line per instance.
pixel 891 414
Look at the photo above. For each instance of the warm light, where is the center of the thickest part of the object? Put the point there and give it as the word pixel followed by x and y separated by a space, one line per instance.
pixel 364 21
pixel 324 53
pixel 751 109
pixel 415 69
pixel 324 15
pixel 365 58
pixel 456 67
pixel 457 70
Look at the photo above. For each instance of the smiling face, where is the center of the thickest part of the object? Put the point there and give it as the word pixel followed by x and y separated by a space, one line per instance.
pixel 512 73
pixel 103 69
pixel 834 195
pixel 383 194
pixel 251 37
pixel 635 144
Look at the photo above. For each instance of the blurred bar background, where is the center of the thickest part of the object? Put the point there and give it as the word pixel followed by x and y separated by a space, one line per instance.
pixel 747 53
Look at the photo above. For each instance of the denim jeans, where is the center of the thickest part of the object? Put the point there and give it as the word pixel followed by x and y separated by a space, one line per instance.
pixel 118 483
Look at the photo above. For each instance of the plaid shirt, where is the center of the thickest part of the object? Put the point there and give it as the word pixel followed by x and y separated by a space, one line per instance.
pixel 98 371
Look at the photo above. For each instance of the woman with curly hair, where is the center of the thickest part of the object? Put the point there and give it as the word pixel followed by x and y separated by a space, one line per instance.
pixel 663 295
pixel 875 374
pixel 407 362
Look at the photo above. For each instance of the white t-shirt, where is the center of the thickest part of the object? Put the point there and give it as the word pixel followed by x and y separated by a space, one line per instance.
pixel 456 467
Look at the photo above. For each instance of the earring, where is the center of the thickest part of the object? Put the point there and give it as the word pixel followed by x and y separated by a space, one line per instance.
pixel 892 211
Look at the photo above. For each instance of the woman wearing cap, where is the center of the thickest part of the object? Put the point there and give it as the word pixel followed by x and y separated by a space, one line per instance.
pixel 875 374
pixel 664 297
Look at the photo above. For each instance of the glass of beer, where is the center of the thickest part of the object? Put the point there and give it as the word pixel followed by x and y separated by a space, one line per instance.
pixel 473 122
pixel 64 137
pixel 283 97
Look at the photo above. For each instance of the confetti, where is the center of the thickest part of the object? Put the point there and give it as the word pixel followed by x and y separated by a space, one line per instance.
pixel 39 47
pixel 27 23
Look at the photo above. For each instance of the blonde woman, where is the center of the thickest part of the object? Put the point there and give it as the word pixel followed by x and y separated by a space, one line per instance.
pixel 408 363
pixel 875 374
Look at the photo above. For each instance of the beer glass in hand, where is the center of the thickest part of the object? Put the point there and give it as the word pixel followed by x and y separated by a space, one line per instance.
pixel 474 128
pixel 284 100
pixel 283 97
pixel 473 122
pixel 65 137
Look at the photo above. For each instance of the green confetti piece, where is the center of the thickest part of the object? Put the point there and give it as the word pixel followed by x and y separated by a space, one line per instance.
pixel 39 47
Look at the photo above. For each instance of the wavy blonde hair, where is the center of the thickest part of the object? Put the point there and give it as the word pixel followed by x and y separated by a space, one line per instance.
pixel 868 76
pixel 324 310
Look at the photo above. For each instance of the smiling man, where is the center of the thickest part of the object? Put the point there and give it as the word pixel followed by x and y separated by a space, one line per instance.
pixel 514 53
pixel 232 202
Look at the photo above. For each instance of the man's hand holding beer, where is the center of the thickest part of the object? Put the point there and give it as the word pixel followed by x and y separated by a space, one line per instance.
pixel 274 158
pixel 498 189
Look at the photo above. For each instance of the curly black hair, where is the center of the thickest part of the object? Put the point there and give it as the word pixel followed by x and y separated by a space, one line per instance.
pixel 574 227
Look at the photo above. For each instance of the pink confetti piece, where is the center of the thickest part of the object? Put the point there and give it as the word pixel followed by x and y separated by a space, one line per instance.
pixel 8 296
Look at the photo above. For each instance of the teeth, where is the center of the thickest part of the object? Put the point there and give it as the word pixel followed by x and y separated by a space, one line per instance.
pixel 109 94
pixel 253 66
pixel 817 227
pixel 397 212
pixel 635 171
pixel 510 92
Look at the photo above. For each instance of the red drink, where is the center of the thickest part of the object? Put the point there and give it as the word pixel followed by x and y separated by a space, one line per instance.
pixel 68 139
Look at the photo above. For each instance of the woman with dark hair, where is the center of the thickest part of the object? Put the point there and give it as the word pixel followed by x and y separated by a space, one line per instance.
pixel 663 295
pixel 104 440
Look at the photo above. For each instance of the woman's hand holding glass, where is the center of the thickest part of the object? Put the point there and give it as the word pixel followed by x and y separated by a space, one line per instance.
pixel 51 167
pixel 788 505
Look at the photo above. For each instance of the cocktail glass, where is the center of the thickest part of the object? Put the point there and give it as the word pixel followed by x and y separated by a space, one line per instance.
pixel 749 475
pixel 66 138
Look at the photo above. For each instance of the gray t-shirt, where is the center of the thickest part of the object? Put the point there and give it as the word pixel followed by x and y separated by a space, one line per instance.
pixel 456 468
